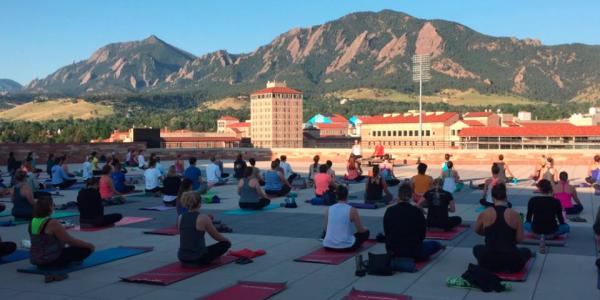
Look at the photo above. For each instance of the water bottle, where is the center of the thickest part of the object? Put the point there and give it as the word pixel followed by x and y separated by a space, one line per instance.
pixel 542 244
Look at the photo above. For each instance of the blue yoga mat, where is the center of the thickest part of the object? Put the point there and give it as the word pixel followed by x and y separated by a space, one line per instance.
pixel 15 256
pixel 97 258
pixel 245 212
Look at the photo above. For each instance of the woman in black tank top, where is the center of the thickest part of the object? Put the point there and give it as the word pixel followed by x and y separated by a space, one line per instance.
pixel 500 252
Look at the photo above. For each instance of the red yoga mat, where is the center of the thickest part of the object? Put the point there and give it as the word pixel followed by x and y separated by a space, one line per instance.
pixel 123 222
pixel 164 231
pixel 247 290
pixel 175 272
pixel 365 295
pixel 322 256
pixel 422 264
pixel 519 276
pixel 446 235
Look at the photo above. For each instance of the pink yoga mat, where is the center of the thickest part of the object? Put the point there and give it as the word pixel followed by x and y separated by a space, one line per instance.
pixel 123 222
pixel 164 231
pixel 521 275
pixel 446 235
pixel 175 272
pixel 246 290
pixel 365 295
pixel 531 239
pixel 323 256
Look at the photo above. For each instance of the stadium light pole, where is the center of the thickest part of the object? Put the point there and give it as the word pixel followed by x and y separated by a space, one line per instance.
pixel 421 73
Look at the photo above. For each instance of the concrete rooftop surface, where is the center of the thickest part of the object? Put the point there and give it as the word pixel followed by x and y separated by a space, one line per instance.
pixel 285 234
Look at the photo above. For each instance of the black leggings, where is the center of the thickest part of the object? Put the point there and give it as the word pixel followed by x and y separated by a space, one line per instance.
pixel 284 191
pixel 68 255
pixel 106 220
pixel 392 182
pixel 7 248
pixel 359 239
pixel 451 223
pixel 257 205
pixel 67 183
pixel 292 177
pixel 501 262
pixel 153 191
pixel 213 252
pixel 128 189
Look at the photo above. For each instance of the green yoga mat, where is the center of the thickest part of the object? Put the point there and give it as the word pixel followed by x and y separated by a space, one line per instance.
pixel 459 282
pixel 5 214
pixel 55 215
pixel 245 212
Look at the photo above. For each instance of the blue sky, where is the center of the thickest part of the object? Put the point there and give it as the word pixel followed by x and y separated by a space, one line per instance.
pixel 38 37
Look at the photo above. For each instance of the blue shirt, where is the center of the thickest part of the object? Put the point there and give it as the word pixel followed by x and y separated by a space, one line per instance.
pixel 118 179
pixel 272 181
pixel 59 175
pixel 193 173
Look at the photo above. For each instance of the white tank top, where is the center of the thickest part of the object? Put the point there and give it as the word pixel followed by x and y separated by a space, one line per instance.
pixel 488 193
pixel 449 182
pixel 339 234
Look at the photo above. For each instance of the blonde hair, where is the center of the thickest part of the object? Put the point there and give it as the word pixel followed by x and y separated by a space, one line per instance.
pixel 190 200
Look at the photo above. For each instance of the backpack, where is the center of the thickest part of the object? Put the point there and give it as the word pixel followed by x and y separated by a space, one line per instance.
pixel 482 278
pixel 379 264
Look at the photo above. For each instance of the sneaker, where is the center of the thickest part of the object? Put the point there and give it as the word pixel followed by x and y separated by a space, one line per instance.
pixel 26 244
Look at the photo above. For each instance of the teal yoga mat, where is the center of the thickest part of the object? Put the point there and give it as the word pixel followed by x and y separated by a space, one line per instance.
pixel 245 212
pixel 55 215
pixel 97 258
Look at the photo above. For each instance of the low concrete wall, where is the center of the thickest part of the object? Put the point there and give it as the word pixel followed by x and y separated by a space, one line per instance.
pixel 75 152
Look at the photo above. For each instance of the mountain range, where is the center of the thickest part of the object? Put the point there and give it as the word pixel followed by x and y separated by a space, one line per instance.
pixel 365 49
pixel 9 86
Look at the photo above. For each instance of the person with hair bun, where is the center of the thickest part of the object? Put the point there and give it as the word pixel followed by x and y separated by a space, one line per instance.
pixel 51 245
pixel 192 227
pixel 503 230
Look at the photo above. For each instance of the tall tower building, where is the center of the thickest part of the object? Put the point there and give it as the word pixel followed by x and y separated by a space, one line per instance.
pixel 276 114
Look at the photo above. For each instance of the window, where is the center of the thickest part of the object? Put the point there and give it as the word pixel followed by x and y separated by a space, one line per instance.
pixel 395 133
pixel 428 133
pixel 404 133
pixel 384 133
pixel 410 133
pixel 389 133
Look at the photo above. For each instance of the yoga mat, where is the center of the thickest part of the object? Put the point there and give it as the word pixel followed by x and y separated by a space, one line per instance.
pixel 446 235
pixel 322 256
pixel 158 208
pixel 175 272
pixel 247 290
pixel 164 231
pixel 15 256
pixel 96 258
pixel 531 239
pixel 55 215
pixel 123 222
pixel 5 213
pixel 519 276
pixel 366 295
pixel 359 205
pixel 422 264
pixel 245 212
pixel 74 187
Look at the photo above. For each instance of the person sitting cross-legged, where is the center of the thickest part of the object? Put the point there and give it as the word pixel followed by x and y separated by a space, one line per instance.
pixel 193 226
pixel 251 194
pixel 439 203
pixel 91 208
pixel 339 220
pixel 404 227
pixel 566 194
pixel 502 229
pixel 275 183
pixel 544 213
pixel 213 174
pixel 376 188
pixel 324 186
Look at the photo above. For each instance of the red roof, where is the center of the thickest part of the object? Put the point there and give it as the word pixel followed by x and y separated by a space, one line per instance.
pixel 473 123
pixel 409 119
pixel 478 114
pixel 511 124
pixel 538 130
pixel 277 90
pixel 331 126
pixel 199 139
pixel 239 124
pixel 228 118
pixel 337 118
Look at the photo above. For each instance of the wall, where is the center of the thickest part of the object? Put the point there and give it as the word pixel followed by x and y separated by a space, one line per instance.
pixel 75 152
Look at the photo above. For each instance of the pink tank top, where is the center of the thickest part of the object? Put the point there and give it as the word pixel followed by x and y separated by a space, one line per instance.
pixel 105 190
pixel 564 197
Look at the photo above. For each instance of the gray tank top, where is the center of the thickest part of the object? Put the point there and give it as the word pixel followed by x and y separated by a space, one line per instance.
pixel 248 194
pixel 192 245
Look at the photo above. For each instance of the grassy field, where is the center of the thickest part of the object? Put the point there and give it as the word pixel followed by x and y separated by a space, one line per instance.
pixel 56 109
pixel 453 97
pixel 225 103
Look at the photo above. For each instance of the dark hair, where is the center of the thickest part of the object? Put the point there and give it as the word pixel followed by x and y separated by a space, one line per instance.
pixel 597 158
pixel 449 164
pixel 239 156
pixel 94 153
pixel 375 170
pixel 248 172
pixel 186 185
pixel 495 169
pixel 323 169
pixel 20 175
pixel 274 164
pixel 341 193
pixel 51 156
pixel 422 168
pixel 563 176
pixel 252 161
pixel 106 169
pixel 499 192
pixel 91 181
pixel 43 206
pixel 329 163
pixel 283 157
pixel 545 186
pixel 447 156
pixel 500 157
pixel 405 192
pixel 192 160
pixel 316 159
